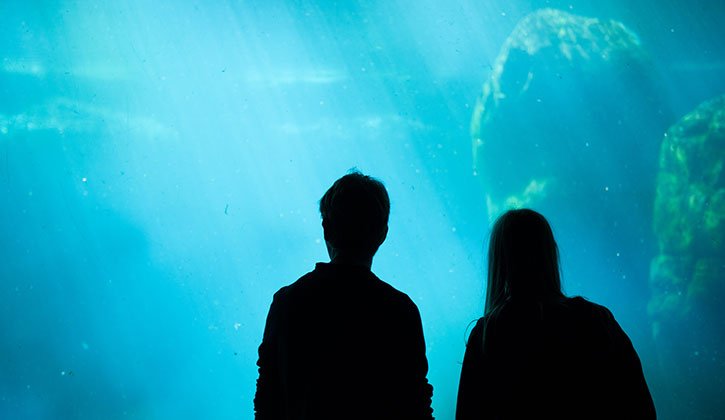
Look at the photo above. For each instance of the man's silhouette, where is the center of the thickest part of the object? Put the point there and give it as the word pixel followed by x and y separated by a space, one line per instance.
pixel 339 342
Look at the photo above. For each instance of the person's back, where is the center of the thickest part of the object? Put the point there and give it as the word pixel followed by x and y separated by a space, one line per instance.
pixel 562 358
pixel 339 343
pixel 537 353
pixel 353 348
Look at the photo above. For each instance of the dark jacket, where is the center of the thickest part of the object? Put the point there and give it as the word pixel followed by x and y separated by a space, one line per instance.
pixel 560 359
pixel 340 343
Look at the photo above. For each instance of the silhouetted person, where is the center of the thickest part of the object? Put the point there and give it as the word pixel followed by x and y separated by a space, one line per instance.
pixel 537 354
pixel 339 343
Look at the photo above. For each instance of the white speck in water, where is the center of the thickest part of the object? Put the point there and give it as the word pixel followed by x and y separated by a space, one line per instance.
pixel 237 325
pixel 84 179
pixel 617 253
pixel 453 229
pixel 586 144
pixel 62 373
pixel 503 14
pixel 317 241
pixel 606 188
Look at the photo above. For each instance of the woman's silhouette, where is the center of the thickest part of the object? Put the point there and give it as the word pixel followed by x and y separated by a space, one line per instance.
pixel 537 353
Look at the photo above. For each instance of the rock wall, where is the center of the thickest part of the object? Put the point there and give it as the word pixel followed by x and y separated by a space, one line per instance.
pixel 687 277
pixel 571 110
pixel 569 123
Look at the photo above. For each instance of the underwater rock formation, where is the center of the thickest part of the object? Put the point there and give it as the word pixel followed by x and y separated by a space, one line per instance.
pixel 687 277
pixel 569 123
pixel 571 107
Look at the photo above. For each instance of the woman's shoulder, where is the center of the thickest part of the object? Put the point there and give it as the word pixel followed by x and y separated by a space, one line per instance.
pixel 581 304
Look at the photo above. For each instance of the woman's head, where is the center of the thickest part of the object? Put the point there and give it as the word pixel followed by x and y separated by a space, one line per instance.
pixel 523 259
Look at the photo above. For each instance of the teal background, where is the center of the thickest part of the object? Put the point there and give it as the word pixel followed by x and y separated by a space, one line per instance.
pixel 161 165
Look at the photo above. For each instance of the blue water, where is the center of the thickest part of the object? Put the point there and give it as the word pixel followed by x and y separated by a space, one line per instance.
pixel 161 165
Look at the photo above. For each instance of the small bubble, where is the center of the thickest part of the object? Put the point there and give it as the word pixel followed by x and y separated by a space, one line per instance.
pixel 453 229
pixel 84 179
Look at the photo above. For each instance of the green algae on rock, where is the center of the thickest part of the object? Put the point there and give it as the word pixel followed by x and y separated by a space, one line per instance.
pixel 570 123
pixel 689 215
pixel 557 76
pixel 687 277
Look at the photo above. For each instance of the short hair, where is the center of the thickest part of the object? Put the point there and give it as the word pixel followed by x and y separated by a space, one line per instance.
pixel 355 213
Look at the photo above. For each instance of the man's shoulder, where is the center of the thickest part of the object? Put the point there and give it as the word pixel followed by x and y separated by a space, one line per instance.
pixel 320 282
pixel 296 286
pixel 385 290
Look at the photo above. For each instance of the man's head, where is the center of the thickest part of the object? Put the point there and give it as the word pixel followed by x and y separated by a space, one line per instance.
pixel 355 215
